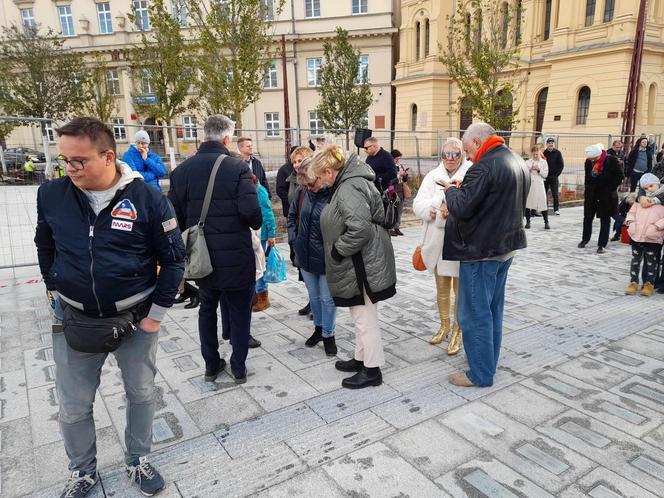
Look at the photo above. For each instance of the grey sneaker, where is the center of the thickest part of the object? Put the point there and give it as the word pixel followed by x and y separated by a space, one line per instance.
pixel 79 484
pixel 146 476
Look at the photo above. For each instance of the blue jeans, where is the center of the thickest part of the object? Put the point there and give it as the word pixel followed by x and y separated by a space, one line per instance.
pixel 481 304
pixel 261 284
pixel 322 304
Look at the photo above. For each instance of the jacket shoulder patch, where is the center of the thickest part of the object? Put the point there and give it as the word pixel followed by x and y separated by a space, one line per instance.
pixel 169 225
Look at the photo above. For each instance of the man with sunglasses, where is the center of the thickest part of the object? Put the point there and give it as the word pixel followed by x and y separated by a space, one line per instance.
pixel 100 232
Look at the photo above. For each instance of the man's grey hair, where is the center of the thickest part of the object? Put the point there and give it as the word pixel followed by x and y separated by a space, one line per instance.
pixel 217 127
pixel 480 131
pixel 370 140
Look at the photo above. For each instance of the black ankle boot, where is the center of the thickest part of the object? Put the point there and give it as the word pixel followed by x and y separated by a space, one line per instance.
pixel 315 338
pixel 351 365
pixel 364 378
pixel 330 346
pixel 193 303
pixel 305 311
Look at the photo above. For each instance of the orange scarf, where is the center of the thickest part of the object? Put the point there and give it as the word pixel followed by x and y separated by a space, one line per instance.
pixel 491 142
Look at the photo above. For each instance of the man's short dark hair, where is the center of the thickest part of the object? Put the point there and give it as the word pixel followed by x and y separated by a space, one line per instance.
pixel 396 153
pixel 241 140
pixel 99 134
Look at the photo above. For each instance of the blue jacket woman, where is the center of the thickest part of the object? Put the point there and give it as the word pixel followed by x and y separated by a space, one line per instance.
pixel 305 234
pixel 268 234
pixel 152 168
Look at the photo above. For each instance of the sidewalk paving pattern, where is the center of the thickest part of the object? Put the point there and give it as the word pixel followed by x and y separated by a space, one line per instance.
pixel 577 408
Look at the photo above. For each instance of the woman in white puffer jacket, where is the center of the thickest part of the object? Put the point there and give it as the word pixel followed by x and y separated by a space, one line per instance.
pixel 429 205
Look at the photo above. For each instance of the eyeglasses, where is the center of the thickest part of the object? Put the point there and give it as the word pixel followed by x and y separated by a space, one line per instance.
pixel 451 155
pixel 76 164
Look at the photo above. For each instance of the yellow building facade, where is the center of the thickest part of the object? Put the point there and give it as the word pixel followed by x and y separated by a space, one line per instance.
pixel 103 26
pixel 575 58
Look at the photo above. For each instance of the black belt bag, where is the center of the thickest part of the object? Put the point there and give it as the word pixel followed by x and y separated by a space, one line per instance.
pixel 96 335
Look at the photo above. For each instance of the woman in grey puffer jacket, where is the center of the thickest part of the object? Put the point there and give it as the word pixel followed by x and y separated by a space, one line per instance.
pixel 359 259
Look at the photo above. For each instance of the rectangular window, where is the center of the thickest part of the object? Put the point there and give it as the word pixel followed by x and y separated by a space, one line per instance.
pixel 315 124
pixel 268 12
pixel 363 69
pixel 141 12
pixel 312 8
pixel 272 124
pixel 105 19
pixel 180 12
pixel 270 76
pixel 49 133
pixel 359 6
pixel 28 19
pixel 189 124
pixel 66 20
pixel 146 83
pixel 113 82
pixel 590 12
pixel 313 71
pixel 609 7
pixel 119 130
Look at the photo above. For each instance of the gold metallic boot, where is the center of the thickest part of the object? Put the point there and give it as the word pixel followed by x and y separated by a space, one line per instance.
pixel 443 292
pixel 454 345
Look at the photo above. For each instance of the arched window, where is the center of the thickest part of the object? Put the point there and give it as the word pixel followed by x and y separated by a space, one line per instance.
pixel 582 105
pixel 590 12
pixel 540 108
pixel 417 40
pixel 505 21
pixel 609 7
pixel 427 36
pixel 465 116
pixel 507 108
pixel 413 117
pixel 652 97
pixel 547 19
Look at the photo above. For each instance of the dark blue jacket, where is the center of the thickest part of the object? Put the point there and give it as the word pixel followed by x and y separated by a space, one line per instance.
pixel 306 236
pixel 152 168
pixel 384 167
pixel 104 261
pixel 233 211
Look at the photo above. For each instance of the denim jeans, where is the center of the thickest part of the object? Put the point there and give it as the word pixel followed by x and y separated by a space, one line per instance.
pixel 261 284
pixel 481 304
pixel 236 323
pixel 77 378
pixel 322 304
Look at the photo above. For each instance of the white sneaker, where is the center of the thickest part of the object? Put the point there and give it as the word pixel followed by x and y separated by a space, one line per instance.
pixel 557 213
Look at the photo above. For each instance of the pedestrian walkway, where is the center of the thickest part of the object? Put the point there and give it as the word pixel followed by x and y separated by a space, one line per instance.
pixel 577 408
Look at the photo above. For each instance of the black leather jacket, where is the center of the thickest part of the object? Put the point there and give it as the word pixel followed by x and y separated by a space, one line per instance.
pixel 486 212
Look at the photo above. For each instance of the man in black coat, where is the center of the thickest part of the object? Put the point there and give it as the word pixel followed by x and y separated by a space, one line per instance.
pixel 603 176
pixel 283 186
pixel 234 210
pixel 245 147
pixel 381 162
pixel 483 231
pixel 556 165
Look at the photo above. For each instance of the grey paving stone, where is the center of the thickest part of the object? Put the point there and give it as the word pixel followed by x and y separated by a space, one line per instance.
pixel 546 462
pixel 418 405
pixel 602 483
pixel 249 436
pixel 625 360
pixel 644 392
pixel 314 483
pixel 378 471
pixel 423 374
pixel 625 455
pixel 339 438
pixel 489 478
pixel 614 409
pixel 13 396
pixel 223 409
pixel 244 476
pixel 656 437
pixel 594 372
pixel 414 350
pixel 525 405
pixel 274 386
pixel 345 402
pixel 431 448
pixel 643 345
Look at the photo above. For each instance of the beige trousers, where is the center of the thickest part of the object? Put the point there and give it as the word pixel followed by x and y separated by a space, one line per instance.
pixel 368 342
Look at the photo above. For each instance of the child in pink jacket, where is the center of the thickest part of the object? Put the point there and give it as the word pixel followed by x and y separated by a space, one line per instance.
pixel 646 229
